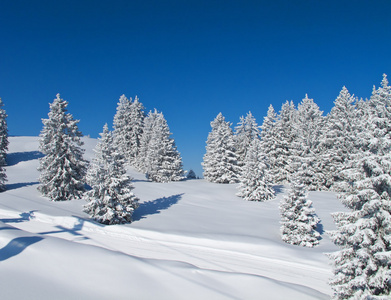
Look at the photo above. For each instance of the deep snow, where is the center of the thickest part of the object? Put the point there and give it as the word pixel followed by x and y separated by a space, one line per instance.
pixel 189 240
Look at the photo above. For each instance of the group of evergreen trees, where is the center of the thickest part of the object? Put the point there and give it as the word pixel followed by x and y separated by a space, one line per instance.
pixel 348 151
pixel 137 140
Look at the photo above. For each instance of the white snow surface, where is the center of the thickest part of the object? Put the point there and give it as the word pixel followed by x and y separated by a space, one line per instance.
pixel 189 240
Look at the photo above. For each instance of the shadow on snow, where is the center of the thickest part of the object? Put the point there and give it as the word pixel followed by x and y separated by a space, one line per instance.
pixel 155 206
pixel 17 157
pixel 25 216
pixel 14 186
pixel 17 245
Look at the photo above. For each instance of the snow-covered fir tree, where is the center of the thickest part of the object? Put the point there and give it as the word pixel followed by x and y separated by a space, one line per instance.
pixel 128 127
pixel 3 145
pixel 63 167
pixel 268 141
pixel 162 161
pixel 245 132
pixel 362 268
pixel 337 141
pixel 220 162
pixel 191 175
pixel 141 163
pixel 279 142
pixel 111 200
pixel 309 125
pixel 255 184
pixel 298 218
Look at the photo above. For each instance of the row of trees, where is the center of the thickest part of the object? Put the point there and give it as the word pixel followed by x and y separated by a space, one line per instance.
pixel 348 151
pixel 138 140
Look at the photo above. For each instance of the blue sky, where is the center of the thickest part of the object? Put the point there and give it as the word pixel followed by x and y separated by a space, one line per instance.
pixel 188 59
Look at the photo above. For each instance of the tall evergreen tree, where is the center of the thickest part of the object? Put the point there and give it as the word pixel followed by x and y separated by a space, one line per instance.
pixel 255 184
pixel 128 128
pixel 310 123
pixel 268 142
pixel 220 160
pixel 142 163
pixel 298 218
pixel 164 163
pixel 110 201
pixel 63 167
pixel 362 268
pixel 337 141
pixel 281 148
pixel 3 145
pixel 245 132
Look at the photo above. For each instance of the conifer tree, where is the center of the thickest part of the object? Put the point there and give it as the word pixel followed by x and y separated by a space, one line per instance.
pixel 362 268
pixel 337 141
pixel 63 167
pixel 191 175
pixel 245 132
pixel 142 164
pixel 309 123
pixel 3 145
pixel 255 184
pixel 220 160
pixel 279 144
pixel 268 142
pixel 128 128
pixel 298 218
pixel 163 161
pixel 111 200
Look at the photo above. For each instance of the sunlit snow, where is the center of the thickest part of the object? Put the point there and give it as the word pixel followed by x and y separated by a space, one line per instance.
pixel 189 240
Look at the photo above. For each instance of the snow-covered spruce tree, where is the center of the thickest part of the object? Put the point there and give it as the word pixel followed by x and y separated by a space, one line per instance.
pixel 128 128
pixel 110 201
pixel 163 161
pixel 63 167
pixel 309 127
pixel 279 145
pixel 298 218
pixel 254 181
pixel 141 163
pixel 245 132
pixel 220 160
pixel 3 145
pixel 268 141
pixel 191 175
pixel 362 268
pixel 337 141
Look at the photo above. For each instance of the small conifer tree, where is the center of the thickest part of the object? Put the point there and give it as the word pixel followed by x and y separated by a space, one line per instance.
pixel 220 160
pixel 298 218
pixel 110 201
pixel 254 184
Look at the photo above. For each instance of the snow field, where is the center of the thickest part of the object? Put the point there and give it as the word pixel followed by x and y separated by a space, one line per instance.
pixel 189 240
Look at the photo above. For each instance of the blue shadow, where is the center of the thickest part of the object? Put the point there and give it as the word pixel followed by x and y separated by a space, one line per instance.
pixel 17 157
pixel 26 216
pixel 17 245
pixel 155 206
pixel 14 186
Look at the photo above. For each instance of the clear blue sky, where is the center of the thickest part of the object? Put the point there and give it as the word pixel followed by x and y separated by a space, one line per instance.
pixel 188 59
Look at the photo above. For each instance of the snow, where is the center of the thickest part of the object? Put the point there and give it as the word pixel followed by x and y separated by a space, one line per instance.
pixel 189 240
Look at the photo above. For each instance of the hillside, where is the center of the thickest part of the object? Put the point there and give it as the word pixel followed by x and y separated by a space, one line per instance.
pixel 189 240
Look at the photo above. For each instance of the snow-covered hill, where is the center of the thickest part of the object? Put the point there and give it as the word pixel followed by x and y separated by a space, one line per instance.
pixel 189 240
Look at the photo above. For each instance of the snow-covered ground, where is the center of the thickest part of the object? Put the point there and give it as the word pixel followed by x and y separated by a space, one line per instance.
pixel 189 240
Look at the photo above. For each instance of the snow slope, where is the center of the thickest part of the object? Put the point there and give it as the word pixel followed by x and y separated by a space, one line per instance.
pixel 189 240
